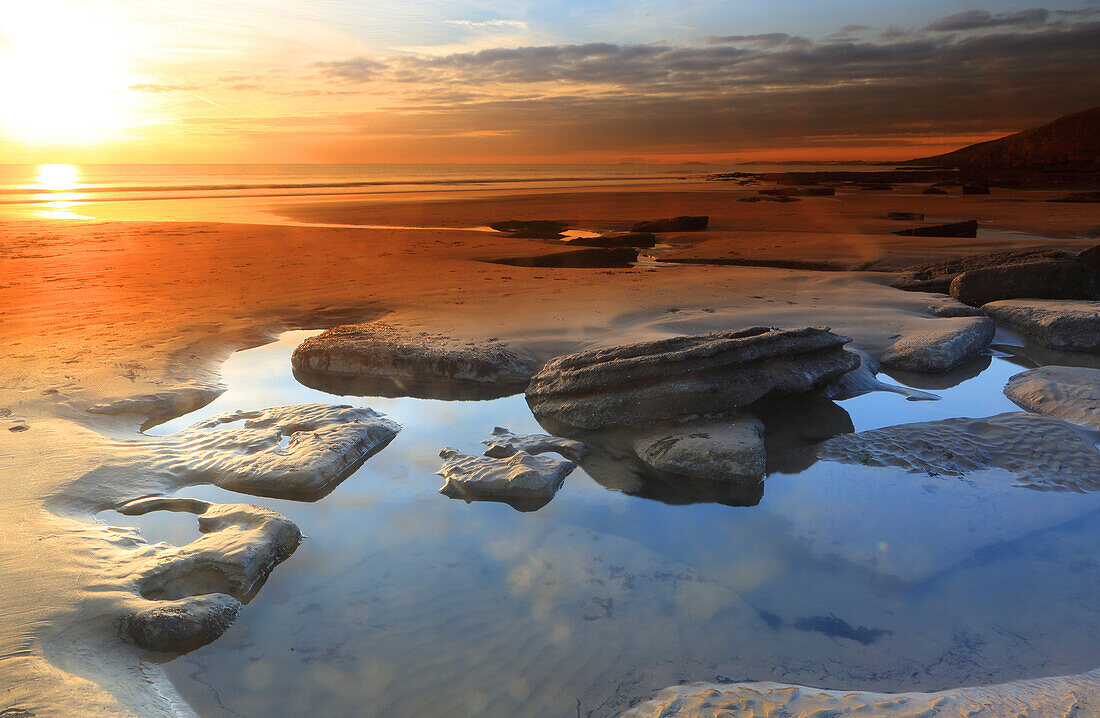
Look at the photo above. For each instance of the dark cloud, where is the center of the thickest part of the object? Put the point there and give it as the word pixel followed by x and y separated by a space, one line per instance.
pixel 981 19
pixel 771 39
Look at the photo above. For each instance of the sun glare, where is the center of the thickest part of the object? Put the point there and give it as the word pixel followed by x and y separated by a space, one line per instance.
pixel 63 75
pixel 57 177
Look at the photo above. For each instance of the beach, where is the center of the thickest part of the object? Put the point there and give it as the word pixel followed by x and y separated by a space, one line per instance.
pixel 97 312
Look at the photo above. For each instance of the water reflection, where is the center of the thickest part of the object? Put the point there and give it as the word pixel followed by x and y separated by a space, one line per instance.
pixel 57 202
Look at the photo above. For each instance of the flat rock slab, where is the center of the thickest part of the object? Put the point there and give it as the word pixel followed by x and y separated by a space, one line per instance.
pixel 946 344
pixel 189 595
pixel 523 481
pixel 380 359
pixel 290 452
pixel 1063 325
pixel 682 377
pixel 503 443
pixel 731 450
pixel 1069 393
pixel 1042 452
pixel 1046 279
pixel 673 224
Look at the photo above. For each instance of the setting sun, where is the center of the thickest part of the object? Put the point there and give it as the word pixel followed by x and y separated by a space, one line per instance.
pixel 57 177
pixel 63 75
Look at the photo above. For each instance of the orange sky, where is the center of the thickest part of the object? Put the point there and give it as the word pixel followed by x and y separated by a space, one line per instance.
pixel 562 81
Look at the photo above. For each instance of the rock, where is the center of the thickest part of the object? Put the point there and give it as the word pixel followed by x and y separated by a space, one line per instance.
pixel 1067 326
pixel 950 308
pixel 673 224
pixel 864 380
pixel 671 379
pixel 291 452
pixel 875 186
pixel 1045 279
pixel 531 229
pixel 750 199
pixel 799 192
pixel 643 240
pixel 946 344
pixel 191 594
pixel 1090 256
pixel 503 443
pixel 1042 452
pixel 180 626
pixel 1069 393
pixel 161 407
pixel 934 190
pixel 795 425
pixel 731 450
pixel 954 229
pixel 614 258
pixel 937 276
pixel 1079 197
pixel 523 481
pixel 379 359
pixel 782 198
pixel 975 189
pixel 905 216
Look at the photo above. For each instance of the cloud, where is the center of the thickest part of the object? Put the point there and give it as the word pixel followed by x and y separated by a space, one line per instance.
pixel 490 24
pixel 161 88
pixel 771 39
pixel 981 19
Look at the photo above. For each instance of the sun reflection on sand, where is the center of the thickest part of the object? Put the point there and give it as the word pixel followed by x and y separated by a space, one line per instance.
pixel 58 202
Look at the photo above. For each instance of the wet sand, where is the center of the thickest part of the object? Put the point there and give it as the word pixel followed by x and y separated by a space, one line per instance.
pixel 94 312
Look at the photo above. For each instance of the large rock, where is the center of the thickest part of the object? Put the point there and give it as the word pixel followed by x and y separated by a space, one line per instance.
pixel 289 452
pixel 968 228
pixel 379 359
pixel 644 240
pixel 613 258
pixel 1048 279
pixel 1069 393
pixel 937 276
pixel 503 443
pixel 522 481
pixel 731 450
pixel 672 379
pixel 946 344
pixel 1042 452
pixel 673 224
pixel 1066 326
pixel 1090 256
pixel 531 229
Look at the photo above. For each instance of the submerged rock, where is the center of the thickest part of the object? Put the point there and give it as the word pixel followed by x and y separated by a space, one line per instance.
pixel 379 359
pixel 531 229
pixel 1048 279
pixel 672 379
pixel 643 240
pixel 191 594
pixel 1069 393
pixel 1066 326
pixel 614 258
pixel 968 228
pixel 503 443
pixel 937 276
pixel 290 452
pixel 1041 451
pixel 731 450
pixel 673 224
pixel 523 481
pixel 946 344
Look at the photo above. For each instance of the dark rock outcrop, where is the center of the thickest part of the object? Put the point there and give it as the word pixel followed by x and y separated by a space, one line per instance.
pixel 1065 325
pixel 968 228
pixel 643 240
pixel 379 359
pixel 673 224
pixel 681 377
pixel 614 258
pixel 531 229
pixel 934 190
pixel 905 216
pixel 937 276
pixel 1047 279
pixel 1090 256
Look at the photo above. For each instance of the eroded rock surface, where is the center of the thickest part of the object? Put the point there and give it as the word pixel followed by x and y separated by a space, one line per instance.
pixel 676 378
pixel 1041 451
pixel 1066 326
pixel 379 359
pixel 864 380
pixel 503 443
pixel 954 229
pixel 1069 393
pixel 189 595
pixel 290 452
pixel 522 481
pixel 937 276
pixel 731 450
pixel 946 344
pixel 1038 698
pixel 1046 279
pixel 161 407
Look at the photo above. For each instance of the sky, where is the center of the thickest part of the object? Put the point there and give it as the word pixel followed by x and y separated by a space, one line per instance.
pixel 255 81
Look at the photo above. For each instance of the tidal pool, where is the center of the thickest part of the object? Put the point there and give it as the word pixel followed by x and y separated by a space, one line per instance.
pixel 402 602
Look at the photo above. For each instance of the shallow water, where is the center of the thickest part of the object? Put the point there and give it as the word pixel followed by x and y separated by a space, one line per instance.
pixel 403 602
